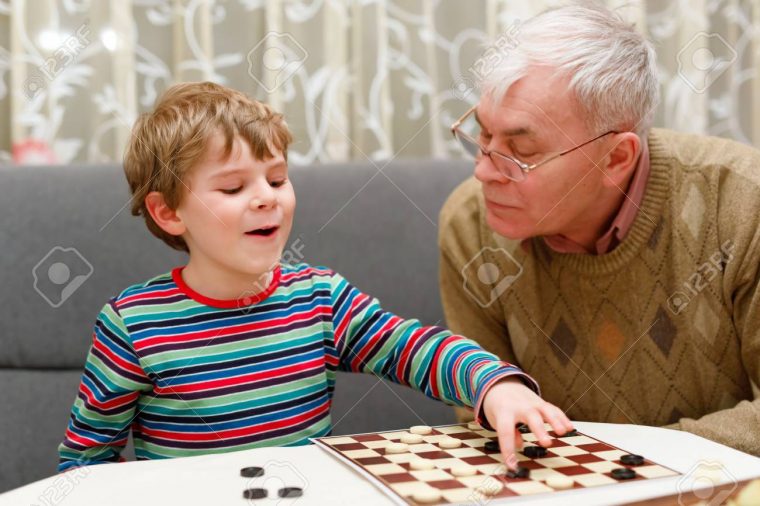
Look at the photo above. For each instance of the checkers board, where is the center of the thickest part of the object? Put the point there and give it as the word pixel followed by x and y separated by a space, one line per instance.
pixel 587 461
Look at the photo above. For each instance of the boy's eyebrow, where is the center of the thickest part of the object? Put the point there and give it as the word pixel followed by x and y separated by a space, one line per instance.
pixel 236 170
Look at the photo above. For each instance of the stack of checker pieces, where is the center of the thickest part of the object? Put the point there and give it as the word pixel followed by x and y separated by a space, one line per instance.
pixel 586 460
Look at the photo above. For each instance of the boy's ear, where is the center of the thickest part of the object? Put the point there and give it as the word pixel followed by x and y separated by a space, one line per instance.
pixel 164 216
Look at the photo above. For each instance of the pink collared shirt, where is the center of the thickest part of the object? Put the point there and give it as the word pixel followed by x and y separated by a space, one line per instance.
pixel 622 222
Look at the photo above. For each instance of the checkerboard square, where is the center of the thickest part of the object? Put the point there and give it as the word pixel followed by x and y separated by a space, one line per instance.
pixel 477 442
pixel 398 477
pixel 593 480
pixel 529 487
pixel 580 440
pixel 596 447
pixel 654 471
pixel 567 451
pixel 572 470
pixel 431 475
pixel 611 455
pixel 380 469
pixel 584 458
pixel 605 466
pixel 400 458
pixel 445 484
pixel 464 452
pixel 555 462
pixel 363 438
pixel 368 461
pixel 358 454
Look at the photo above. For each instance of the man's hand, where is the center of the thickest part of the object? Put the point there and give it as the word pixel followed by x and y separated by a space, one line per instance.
pixel 508 402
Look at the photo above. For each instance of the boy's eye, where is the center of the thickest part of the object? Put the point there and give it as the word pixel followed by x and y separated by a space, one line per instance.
pixel 277 183
pixel 231 191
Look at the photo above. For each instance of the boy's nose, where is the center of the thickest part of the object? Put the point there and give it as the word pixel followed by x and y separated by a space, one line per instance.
pixel 263 199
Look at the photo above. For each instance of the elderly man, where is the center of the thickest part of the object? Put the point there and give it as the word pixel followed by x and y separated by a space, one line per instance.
pixel 616 264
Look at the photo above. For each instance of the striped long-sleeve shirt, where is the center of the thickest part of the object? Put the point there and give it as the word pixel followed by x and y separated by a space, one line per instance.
pixel 191 375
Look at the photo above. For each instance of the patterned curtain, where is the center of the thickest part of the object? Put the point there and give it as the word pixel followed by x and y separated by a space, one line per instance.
pixel 356 79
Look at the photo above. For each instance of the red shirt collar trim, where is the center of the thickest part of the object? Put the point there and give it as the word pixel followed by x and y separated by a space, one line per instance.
pixel 226 303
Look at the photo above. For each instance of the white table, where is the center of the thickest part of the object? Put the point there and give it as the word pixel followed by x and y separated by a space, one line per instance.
pixel 215 479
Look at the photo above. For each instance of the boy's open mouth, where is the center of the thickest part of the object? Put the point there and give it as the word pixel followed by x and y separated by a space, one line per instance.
pixel 264 231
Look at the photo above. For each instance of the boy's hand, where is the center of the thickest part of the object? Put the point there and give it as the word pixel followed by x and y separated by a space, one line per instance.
pixel 508 402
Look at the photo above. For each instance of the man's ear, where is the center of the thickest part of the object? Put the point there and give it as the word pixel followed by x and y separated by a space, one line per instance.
pixel 622 159
pixel 164 216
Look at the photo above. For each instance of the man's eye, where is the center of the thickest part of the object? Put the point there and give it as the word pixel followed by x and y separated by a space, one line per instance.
pixel 231 191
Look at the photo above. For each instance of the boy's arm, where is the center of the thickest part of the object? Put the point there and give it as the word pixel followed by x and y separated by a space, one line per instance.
pixel 443 366
pixel 105 405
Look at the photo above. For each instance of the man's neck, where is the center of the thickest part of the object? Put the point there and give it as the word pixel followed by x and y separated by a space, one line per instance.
pixel 592 228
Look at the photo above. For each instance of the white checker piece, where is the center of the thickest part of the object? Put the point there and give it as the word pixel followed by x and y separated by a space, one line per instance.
pixel 393 435
pixel 453 429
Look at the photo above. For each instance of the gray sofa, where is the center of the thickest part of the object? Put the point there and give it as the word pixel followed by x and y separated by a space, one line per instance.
pixel 377 228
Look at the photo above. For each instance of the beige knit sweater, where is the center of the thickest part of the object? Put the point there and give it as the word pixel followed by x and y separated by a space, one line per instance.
pixel 663 330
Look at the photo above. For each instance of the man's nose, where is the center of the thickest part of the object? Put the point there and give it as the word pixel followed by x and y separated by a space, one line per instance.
pixel 486 171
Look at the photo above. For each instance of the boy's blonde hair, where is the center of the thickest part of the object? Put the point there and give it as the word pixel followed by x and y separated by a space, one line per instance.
pixel 169 141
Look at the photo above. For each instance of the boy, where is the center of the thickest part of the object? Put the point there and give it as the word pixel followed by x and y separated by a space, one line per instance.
pixel 193 367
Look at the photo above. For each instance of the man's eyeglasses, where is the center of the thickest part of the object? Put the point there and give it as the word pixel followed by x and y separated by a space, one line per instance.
pixel 508 166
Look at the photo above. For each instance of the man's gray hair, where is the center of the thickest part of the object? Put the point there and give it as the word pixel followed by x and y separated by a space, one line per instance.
pixel 612 68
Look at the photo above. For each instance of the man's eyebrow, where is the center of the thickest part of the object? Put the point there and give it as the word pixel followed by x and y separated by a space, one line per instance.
pixel 519 131
pixel 511 132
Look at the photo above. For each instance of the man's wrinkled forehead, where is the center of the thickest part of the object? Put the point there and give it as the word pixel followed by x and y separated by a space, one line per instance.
pixel 534 106
pixel 506 122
